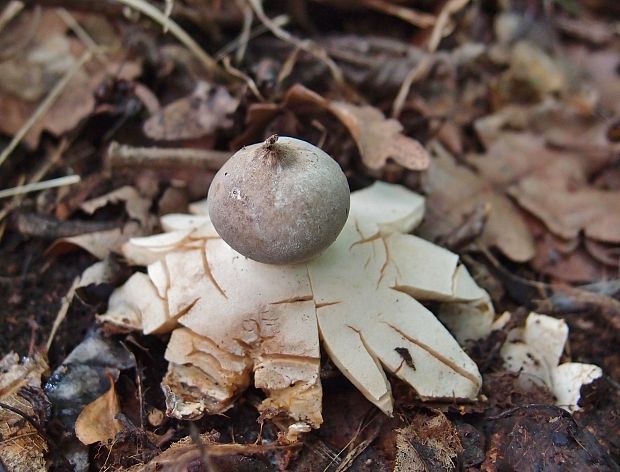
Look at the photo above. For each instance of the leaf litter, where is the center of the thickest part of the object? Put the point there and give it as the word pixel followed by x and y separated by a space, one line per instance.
pixel 504 119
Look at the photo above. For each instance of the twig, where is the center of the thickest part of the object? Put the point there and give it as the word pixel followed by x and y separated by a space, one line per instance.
pixel 167 12
pixel 305 45
pixel 415 74
pixel 62 313
pixel 232 70
pixel 25 416
pixel 35 187
pixel 10 12
pixel 608 307
pixel 422 67
pixel 168 24
pixel 355 451
pixel 45 105
pixel 121 155
pixel 414 17
pixel 287 67
pixel 280 21
pixel 452 7
pixel 244 37
pixel 81 33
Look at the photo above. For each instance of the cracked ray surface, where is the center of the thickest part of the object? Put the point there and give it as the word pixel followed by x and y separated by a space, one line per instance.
pixel 238 317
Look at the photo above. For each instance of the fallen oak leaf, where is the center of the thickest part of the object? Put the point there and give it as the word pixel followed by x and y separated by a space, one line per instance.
pixel 569 212
pixel 199 114
pixel 97 422
pixel 553 185
pixel 378 138
pixel 575 265
pixel 454 192
pixel 102 243
pixel 99 243
pixel 136 206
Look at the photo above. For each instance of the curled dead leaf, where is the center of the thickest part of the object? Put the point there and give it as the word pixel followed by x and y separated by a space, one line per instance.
pixel 100 243
pixel 97 422
pixel 136 206
pixel 379 138
pixel 199 114
pixel 454 193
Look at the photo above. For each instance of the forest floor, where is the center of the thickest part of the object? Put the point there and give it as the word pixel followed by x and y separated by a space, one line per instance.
pixel 517 103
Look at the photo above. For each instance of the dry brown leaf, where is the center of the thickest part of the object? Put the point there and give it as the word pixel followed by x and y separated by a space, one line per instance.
pixel 38 61
pixel 100 243
pixel 567 213
pixel 379 138
pixel 200 114
pixel 22 448
pixel 97 421
pixel 530 65
pixel 601 70
pixel 454 193
pixel 572 266
pixel 184 452
pixel 604 253
pixel 136 205
pixel 553 185
pixel 30 73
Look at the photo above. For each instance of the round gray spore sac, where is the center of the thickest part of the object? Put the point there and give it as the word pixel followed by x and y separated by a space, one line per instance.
pixel 279 202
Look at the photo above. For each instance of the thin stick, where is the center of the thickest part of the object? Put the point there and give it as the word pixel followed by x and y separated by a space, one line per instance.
pixel 232 70
pixel 447 11
pixel 169 24
pixel 422 67
pixel 10 12
pixel 25 416
pixel 415 74
pixel 280 21
pixel 62 313
pixel 414 17
pixel 167 12
pixel 305 45
pixel 244 37
pixel 121 155
pixel 36 186
pixel 45 105
pixel 81 33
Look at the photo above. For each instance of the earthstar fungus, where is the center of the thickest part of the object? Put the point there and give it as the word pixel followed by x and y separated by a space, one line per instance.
pixel 235 320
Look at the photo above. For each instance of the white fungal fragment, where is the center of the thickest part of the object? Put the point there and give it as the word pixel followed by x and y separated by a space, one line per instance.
pixel 137 306
pixel 535 353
